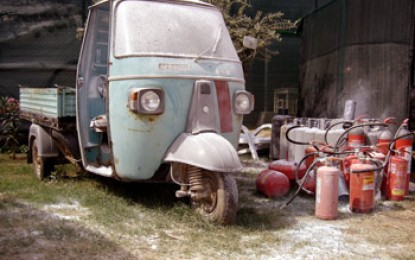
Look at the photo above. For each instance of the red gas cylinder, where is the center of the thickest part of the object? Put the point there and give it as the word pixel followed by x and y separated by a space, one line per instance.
pixel 310 182
pixel 310 159
pixel 362 187
pixel 356 137
pixel 404 146
pixel 395 180
pixel 288 168
pixel 272 183
pixel 327 192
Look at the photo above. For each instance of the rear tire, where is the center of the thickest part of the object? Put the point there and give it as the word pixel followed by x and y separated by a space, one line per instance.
pixel 42 167
pixel 222 204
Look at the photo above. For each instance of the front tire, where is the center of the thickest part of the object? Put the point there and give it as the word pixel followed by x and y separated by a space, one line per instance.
pixel 41 166
pixel 222 203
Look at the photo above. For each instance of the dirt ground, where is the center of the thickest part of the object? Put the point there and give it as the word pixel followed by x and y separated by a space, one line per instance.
pixel 295 233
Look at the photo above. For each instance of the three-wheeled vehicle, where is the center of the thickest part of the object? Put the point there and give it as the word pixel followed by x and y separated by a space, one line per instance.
pixel 159 97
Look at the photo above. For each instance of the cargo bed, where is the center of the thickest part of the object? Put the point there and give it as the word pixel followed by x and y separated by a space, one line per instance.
pixel 51 107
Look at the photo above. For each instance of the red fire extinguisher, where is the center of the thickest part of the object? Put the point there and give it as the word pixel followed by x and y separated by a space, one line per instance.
pixel 362 186
pixel 404 148
pixel 347 163
pixel 383 140
pixel 395 180
pixel 327 191
pixel 356 137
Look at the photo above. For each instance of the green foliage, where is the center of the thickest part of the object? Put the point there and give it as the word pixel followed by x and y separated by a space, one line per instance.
pixel 242 20
pixel 9 125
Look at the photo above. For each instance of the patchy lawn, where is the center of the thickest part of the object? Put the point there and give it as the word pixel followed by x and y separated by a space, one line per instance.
pixel 93 218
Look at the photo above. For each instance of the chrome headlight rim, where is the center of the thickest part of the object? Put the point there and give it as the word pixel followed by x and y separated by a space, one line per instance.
pixel 147 101
pixel 150 101
pixel 243 102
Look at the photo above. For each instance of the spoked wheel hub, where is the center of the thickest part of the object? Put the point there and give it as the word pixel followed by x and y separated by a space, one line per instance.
pixel 213 195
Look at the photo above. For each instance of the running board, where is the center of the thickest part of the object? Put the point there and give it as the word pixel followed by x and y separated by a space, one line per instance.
pixel 102 170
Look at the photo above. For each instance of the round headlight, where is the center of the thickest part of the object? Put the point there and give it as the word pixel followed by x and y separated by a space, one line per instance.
pixel 242 102
pixel 150 101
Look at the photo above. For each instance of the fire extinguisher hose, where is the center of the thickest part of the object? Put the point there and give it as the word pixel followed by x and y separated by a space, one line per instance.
pixel 379 166
pixel 297 180
pixel 392 142
pixel 336 147
pixel 291 140
pixel 309 155
pixel 300 187
pixel 347 123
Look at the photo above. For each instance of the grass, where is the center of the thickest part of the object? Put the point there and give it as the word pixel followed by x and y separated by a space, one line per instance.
pixel 130 211
pixel 146 221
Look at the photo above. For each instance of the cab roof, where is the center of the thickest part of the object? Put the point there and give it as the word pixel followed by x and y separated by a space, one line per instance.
pixel 195 2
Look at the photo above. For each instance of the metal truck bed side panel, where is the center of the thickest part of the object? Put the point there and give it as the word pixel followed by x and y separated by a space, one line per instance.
pixel 48 106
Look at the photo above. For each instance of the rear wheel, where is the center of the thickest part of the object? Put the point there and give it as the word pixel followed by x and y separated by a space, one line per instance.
pixel 41 166
pixel 218 201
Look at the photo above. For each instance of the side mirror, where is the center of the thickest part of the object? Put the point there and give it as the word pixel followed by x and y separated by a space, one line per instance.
pixel 250 42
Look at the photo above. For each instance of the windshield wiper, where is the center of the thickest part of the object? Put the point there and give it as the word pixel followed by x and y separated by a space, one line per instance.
pixel 213 48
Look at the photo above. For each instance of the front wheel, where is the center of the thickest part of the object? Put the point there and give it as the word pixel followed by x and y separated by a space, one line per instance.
pixel 218 200
pixel 41 166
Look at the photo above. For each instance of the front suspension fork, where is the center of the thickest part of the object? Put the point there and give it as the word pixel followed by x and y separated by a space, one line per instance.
pixel 191 181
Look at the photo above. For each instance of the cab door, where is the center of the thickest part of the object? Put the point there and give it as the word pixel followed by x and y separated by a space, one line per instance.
pixel 91 86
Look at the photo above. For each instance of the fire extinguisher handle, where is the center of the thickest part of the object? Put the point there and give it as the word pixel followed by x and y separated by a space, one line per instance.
pixel 390 120
pixel 378 163
pixel 332 160
pixel 392 142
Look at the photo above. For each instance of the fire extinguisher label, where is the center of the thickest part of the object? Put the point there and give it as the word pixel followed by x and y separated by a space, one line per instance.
pixel 398 191
pixel 318 190
pixel 398 179
pixel 369 182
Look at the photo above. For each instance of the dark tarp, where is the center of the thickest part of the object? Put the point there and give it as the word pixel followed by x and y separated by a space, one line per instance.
pixel 38 45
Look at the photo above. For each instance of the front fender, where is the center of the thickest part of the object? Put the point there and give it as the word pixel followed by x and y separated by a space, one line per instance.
pixel 46 145
pixel 209 151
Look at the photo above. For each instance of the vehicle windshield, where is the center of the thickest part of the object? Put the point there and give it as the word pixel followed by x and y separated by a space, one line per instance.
pixel 149 28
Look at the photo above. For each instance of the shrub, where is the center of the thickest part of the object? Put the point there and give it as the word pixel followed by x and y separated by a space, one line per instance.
pixel 9 125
